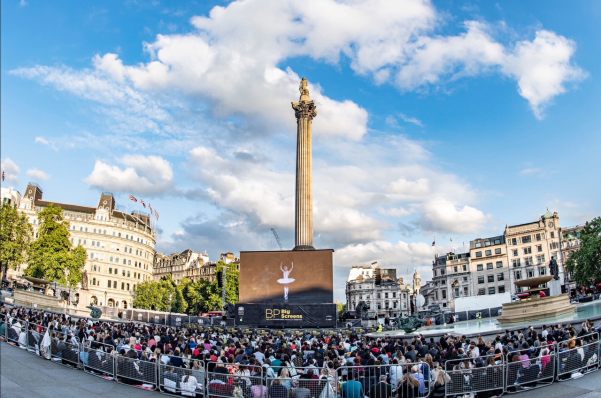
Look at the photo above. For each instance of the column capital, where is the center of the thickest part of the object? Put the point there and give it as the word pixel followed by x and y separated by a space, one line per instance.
pixel 303 109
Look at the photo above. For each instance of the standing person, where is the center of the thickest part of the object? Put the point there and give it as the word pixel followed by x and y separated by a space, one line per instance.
pixel 352 388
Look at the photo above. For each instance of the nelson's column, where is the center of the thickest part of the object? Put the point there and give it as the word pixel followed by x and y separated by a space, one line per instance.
pixel 304 111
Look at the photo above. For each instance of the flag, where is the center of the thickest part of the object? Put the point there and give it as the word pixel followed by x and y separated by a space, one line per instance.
pixel 433 243
pixel 3 175
pixel 150 207
pixel 143 204
pixel 133 198
pixel 156 214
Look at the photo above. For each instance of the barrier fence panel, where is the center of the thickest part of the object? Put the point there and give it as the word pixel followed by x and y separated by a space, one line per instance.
pixel 473 376
pixel 136 371
pixel 64 351
pixel 530 369
pixel 99 360
pixel 5 326
pixel 583 358
pixel 35 333
pixel 188 381
pixel 227 380
pixel 418 379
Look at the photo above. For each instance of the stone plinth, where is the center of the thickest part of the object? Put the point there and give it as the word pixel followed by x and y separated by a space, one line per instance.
pixel 535 308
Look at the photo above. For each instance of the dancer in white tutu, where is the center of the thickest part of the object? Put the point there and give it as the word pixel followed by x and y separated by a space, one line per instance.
pixel 286 280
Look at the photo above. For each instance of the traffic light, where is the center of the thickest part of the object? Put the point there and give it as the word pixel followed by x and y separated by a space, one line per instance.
pixel 220 279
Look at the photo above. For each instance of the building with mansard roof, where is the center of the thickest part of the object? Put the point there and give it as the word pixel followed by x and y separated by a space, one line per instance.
pixel 120 248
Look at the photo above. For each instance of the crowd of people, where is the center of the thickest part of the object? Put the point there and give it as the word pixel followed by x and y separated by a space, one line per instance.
pixel 245 363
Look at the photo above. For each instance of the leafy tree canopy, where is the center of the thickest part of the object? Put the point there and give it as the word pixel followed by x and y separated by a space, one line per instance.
pixel 51 255
pixel 585 263
pixel 15 237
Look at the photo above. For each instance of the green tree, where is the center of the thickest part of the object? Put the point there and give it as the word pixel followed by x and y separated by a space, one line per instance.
pixel 15 238
pixel 178 303
pixel 191 292
pixel 232 281
pixel 585 263
pixel 51 255
pixel 155 295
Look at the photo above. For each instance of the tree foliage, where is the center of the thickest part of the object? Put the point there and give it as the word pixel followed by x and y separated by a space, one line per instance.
pixel 15 238
pixel 51 255
pixel 155 295
pixel 585 263
pixel 191 297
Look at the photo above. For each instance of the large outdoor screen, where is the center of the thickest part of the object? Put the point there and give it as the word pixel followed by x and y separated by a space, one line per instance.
pixel 286 277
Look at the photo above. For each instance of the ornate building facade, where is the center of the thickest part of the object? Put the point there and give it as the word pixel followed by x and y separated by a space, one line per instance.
pixel 380 289
pixel 187 264
pixel 120 248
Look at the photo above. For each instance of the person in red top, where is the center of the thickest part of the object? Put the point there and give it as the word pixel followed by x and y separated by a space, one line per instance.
pixel 541 294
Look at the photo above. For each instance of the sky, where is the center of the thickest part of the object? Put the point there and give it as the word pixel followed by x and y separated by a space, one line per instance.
pixel 436 121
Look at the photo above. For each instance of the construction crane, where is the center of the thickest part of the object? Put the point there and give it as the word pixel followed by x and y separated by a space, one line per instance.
pixel 277 238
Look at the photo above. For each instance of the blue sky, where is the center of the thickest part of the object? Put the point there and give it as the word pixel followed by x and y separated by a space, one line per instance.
pixel 436 120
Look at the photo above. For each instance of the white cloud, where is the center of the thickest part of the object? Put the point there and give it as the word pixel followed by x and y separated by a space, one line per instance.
pixel 443 215
pixel 10 169
pixel 150 175
pixel 542 68
pixel 37 174
pixel 532 171
pixel 410 119
pixel 46 142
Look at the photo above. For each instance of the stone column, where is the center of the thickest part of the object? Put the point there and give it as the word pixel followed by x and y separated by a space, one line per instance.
pixel 304 111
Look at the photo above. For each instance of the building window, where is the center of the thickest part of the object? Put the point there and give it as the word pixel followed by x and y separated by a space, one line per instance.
pixel 110 271
pixel 552 232
pixel 518 275
pixel 455 268
pixel 528 261
pixel 530 273
pixel 479 267
pixel 444 294
pixel 538 237
pixel 516 262
pixel 490 278
pixel 478 254
pixel 499 264
pixel 526 239
pixel 491 290
pixel 498 250
pixel 501 276
pixel 481 292
pixel 514 241
pixel 465 290
pixel 502 289
pixel 488 252
pixel 108 283
pixel 480 279
pixel 515 252
pixel 540 259
pixel 464 267
pixel 489 266
pixel 527 250
pixel 122 285
pixel 542 270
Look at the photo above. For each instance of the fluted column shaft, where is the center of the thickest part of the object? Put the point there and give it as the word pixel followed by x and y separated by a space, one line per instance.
pixel 305 112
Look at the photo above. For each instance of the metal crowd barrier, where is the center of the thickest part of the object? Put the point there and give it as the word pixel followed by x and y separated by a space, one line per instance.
pixel 523 371
pixel 234 379
pixel 100 360
pixel 583 358
pixel 487 373
pixel 132 370
pixel 187 381
pixel 369 376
